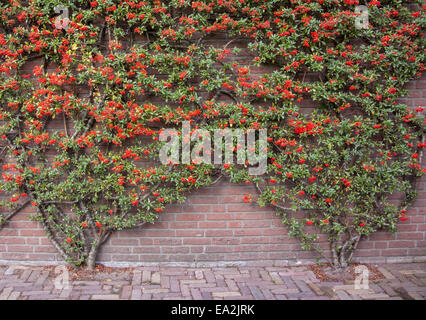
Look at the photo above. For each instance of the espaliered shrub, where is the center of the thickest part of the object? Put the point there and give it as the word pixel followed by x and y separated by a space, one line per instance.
pixel 85 96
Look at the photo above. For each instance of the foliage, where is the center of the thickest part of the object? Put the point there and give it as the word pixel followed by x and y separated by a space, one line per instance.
pixel 83 105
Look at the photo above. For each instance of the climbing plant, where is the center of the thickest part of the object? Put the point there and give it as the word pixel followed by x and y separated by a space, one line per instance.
pixel 88 88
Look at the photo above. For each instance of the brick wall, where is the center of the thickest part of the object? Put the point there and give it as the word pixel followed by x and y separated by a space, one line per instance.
pixel 215 226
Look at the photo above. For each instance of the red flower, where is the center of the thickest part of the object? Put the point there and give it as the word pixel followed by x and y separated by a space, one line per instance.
pixel 309 223
pixel 69 240
pixel 247 199
pixel 328 200
pixel 183 75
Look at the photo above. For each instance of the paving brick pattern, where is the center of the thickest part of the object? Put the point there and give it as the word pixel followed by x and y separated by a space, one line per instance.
pixel 401 282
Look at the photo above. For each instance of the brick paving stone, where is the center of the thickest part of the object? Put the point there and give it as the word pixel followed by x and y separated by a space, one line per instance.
pixel 374 296
pixel 6 292
pixel 343 295
pixel 34 275
pixel 41 278
pixel 267 294
pixel 265 275
pixel 14 295
pixel 105 297
pixel 206 295
pixel 196 294
pixel 199 274
pixel 231 284
pixel 276 278
pixel 190 281
pixel 146 276
pixel 302 286
pixel 244 289
pixel 386 273
pixel 136 293
pixel 289 283
pixel 256 293
pixel 226 294
pixel 315 288
pixel 209 275
pixel 126 292
pixel 185 290
pixel 284 291
pixel 156 278
pixel 157 290
pixel 25 275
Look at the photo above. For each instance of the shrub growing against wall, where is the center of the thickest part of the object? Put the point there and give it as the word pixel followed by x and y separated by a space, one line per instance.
pixel 89 89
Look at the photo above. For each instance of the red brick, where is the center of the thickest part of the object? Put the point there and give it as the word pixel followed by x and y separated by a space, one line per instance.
pixel 196 241
pixel 190 217
pixel 410 235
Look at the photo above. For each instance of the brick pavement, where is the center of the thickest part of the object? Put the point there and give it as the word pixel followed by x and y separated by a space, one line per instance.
pixel 400 282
